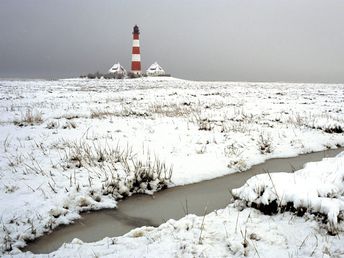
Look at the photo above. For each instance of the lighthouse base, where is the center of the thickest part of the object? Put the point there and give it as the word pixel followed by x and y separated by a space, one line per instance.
pixel 135 74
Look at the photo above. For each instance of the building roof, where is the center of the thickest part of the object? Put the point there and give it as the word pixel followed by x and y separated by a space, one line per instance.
pixel 117 68
pixel 155 68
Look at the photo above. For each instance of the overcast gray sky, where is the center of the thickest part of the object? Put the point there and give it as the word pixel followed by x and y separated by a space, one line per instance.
pixel 236 40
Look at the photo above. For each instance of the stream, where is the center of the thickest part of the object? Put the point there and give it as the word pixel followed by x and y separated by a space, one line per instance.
pixel 172 203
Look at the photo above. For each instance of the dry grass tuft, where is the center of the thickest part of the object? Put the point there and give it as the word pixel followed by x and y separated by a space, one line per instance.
pixel 30 118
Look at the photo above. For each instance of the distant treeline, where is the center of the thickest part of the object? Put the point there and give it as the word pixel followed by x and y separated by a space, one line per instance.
pixel 99 75
pixel 130 75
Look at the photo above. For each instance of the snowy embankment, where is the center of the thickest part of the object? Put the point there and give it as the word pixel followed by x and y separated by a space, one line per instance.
pixel 73 145
pixel 317 189
pixel 242 231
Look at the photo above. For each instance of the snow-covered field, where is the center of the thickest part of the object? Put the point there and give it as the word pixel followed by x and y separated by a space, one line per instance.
pixel 239 231
pixel 74 145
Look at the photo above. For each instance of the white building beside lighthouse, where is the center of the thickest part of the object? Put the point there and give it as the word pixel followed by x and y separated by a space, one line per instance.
pixel 155 70
pixel 118 70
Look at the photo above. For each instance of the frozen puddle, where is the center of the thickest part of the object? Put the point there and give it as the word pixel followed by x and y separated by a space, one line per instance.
pixel 173 203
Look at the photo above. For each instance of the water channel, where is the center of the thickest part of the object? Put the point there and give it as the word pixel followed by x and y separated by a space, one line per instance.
pixel 172 203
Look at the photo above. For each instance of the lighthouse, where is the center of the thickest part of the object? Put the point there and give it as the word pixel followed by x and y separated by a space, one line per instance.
pixel 135 54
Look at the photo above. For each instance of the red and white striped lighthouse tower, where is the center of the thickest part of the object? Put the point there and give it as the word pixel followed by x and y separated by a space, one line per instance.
pixel 135 55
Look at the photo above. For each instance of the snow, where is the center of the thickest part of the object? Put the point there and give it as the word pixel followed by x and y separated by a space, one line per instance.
pixel 235 231
pixel 319 188
pixel 201 129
